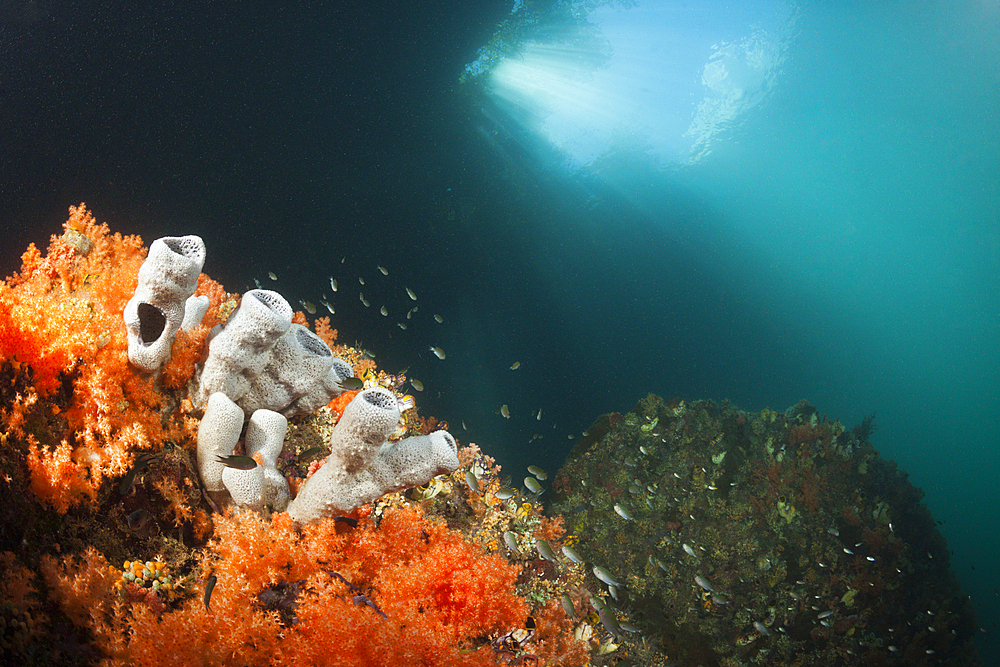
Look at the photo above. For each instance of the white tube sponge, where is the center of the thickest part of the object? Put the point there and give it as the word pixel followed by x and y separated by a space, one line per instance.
pixel 299 360
pixel 218 434
pixel 246 487
pixel 266 436
pixel 194 311
pixel 323 392
pixel 359 471
pixel 155 312
pixel 368 420
pixel 238 354
pixel 415 461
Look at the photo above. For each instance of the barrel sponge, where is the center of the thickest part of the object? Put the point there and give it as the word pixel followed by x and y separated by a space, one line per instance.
pixel 241 351
pixel 156 310
pixel 246 487
pixel 299 361
pixel 266 436
pixel 218 433
pixel 323 392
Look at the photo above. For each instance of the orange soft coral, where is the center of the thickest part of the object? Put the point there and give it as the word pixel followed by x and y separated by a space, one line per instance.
pixel 419 594
pixel 324 331
pixel 81 586
pixel 61 317
pixel 338 404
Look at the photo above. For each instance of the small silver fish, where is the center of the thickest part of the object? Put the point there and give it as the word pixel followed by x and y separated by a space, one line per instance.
pixel 505 494
pixel 438 352
pixel 270 274
pixel 309 306
pixel 703 582
pixel 510 539
pixel 609 622
pixel 605 576
pixel 572 555
pixel 352 384
pixel 361 280
pixel 410 294
pixel 237 462
pixel 642 448
pixel 384 270
pixel 505 411
pixel 761 628
pixel 473 483
pixel 209 587
pixel 622 513
pixel 401 326
pixel 416 384
pixel 333 283
pixel 532 485
pixel 689 550
pixel 384 311
pixel 538 417
pixel 825 614
pixel 567 604
pixel 538 472
pixel 515 365
pixel 438 319
pixel 545 551
pixel 328 306
pixel 628 627
pixel 464 427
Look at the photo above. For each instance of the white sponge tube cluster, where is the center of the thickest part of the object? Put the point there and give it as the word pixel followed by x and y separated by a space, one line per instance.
pixel 218 434
pixel 157 308
pixel 363 467
pixel 261 360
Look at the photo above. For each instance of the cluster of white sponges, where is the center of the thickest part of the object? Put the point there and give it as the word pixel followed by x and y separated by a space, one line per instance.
pixel 261 360
pixel 261 363
pixel 363 467
pixel 157 309
pixel 218 434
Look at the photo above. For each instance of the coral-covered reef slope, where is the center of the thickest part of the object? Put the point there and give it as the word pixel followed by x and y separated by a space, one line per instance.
pixel 111 553
pixel 775 536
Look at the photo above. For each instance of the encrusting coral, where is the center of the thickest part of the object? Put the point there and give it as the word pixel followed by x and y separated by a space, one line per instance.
pixel 101 471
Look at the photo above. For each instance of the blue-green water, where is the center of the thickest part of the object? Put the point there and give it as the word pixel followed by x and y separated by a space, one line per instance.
pixel 839 243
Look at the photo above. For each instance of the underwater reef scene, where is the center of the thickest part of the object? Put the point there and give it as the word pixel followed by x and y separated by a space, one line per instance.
pixel 678 534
